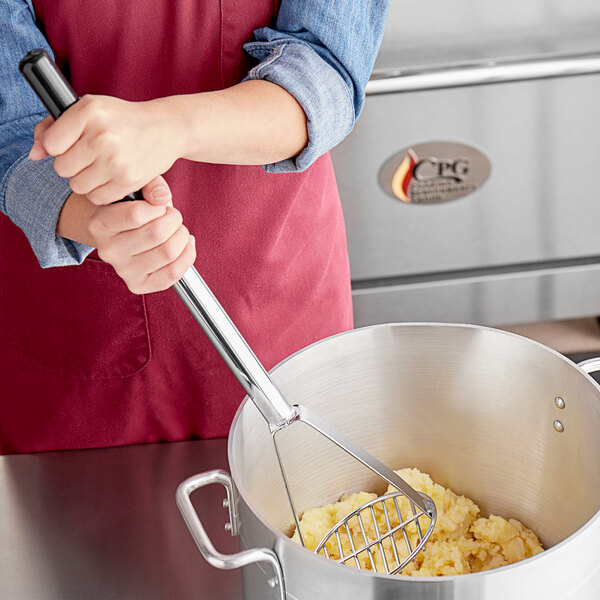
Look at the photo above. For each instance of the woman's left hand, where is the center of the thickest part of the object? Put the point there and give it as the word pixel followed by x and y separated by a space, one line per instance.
pixel 110 147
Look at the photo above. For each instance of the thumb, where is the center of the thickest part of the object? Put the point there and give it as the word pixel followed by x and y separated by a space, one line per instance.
pixel 158 192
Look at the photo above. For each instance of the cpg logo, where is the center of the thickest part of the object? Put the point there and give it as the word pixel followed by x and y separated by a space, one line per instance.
pixel 441 168
pixel 434 172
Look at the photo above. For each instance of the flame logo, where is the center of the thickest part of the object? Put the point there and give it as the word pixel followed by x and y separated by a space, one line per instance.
pixel 404 175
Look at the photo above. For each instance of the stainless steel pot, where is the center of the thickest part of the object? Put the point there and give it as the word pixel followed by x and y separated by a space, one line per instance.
pixel 495 416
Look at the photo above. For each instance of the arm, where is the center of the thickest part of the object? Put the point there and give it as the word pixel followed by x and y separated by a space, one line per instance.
pixel 106 145
pixel 322 52
pixel 308 92
pixel 145 242
pixel 31 194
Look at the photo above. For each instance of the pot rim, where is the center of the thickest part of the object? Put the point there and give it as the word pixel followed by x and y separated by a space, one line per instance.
pixel 282 538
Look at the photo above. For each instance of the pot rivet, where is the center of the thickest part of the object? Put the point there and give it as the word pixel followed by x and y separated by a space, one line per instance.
pixel 272 582
pixel 559 402
pixel 559 426
pixel 227 526
pixel 225 502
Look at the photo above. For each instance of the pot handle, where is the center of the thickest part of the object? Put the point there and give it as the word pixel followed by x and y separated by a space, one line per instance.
pixel 591 365
pixel 213 556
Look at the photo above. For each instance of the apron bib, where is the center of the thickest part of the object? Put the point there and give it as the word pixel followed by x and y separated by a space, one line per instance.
pixel 83 362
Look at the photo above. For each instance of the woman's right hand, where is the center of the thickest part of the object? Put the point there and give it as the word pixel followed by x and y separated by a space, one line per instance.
pixel 144 240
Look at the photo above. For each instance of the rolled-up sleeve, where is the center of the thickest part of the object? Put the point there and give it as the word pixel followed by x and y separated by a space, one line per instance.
pixel 322 52
pixel 31 193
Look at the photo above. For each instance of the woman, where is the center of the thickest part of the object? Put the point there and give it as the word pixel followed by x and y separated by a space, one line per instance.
pixel 83 361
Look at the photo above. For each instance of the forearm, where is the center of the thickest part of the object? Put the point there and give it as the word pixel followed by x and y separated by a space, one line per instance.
pixel 74 218
pixel 251 123
pixel 108 148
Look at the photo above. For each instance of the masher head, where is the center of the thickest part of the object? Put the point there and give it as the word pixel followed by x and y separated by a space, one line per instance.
pixel 382 535
pixel 418 512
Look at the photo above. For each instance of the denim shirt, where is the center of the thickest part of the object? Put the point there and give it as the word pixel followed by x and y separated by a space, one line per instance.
pixel 321 51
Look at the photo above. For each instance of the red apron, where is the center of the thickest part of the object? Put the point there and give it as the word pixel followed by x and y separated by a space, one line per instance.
pixel 84 363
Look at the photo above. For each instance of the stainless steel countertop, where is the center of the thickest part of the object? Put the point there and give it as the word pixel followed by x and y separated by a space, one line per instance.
pixel 104 524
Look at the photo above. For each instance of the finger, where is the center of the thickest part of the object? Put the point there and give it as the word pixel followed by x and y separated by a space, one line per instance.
pixel 42 126
pixel 110 190
pixel 37 151
pixel 169 251
pixel 91 179
pixel 154 233
pixel 64 132
pixel 77 158
pixel 165 277
pixel 125 216
pixel 157 191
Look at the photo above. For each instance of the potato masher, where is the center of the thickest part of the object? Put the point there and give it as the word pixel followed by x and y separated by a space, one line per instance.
pixel 57 95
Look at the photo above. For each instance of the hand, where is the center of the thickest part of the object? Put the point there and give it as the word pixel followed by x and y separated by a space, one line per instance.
pixel 147 244
pixel 110 147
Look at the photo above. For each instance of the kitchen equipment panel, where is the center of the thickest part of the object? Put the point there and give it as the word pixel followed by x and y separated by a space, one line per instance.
pixel 518 83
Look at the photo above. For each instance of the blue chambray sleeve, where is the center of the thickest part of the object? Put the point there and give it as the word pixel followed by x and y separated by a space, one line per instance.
pixel 322 52
pixel 31 193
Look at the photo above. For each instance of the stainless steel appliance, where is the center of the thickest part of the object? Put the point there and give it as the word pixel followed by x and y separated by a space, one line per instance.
pixel 497 417
pixel 518 83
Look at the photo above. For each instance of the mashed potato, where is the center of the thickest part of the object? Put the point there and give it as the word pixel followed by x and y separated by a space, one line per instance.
pixel 461 542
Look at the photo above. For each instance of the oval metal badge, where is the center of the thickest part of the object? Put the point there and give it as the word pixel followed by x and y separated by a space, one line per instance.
pixel 434 172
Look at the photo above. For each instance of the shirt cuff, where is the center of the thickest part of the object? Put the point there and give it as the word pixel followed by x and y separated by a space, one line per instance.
pixel 318 88
pixel 33 196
